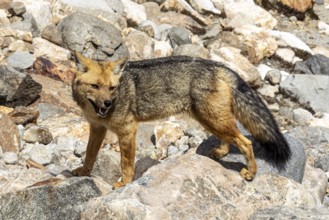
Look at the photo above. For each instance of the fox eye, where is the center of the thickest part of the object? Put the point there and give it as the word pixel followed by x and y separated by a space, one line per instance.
pixel 95 86
pixel 111 88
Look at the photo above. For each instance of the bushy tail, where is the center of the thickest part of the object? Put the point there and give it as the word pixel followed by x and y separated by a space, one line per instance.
pixel 254 115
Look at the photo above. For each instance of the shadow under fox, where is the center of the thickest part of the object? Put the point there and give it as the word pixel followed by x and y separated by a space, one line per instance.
pixel 118 95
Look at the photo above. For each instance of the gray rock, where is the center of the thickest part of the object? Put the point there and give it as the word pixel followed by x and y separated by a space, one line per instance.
pixel 323 162
pixel 140 45
pixel 150 28
pixel 17 88
pixel 40 200
pixel 66 143
pixel 192 132
pixel 43 154
pixel 301 115
pixel 283 212
pixel 108 166
pixel 91 36
pixel 316 94
pixel 294 169
pixel 179 36
pixel 317 65
pixel 27 24
pixel 268 92
pixel 171 150
pixel 191 50
pixel 194 142
pixel 142 165
pixel 10 157
pixel 321 11
pixel 273 76
pixel 315 140
pixel 48 110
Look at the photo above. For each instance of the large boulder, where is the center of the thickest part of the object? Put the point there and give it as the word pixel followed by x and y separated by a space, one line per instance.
pixel 196 187
pixel 92 36
pixel 310 90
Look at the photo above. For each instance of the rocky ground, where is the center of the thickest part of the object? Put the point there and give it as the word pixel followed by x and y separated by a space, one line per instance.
pixel 280 48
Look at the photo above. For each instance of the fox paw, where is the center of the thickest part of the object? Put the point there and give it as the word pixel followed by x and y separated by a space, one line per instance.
pixel 81 171
pixel 217 154
pixel 246 174
pixel 118 185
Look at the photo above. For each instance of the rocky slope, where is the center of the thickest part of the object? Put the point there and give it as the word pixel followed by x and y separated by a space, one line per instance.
pixel 279 47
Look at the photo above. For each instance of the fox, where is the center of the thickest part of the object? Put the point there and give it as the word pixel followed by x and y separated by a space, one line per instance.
pixel 118 95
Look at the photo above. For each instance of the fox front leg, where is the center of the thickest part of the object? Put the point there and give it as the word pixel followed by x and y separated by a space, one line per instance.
pixel 96 137
pixel 127 144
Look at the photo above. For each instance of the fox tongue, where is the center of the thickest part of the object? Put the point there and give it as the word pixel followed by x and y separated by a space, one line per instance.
pixel 102 111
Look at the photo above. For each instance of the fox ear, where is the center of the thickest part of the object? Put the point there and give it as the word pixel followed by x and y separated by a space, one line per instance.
pixel 118 66
pixel 82 62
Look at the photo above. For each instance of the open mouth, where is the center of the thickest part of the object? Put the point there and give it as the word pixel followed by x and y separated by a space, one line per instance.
pixel 102 112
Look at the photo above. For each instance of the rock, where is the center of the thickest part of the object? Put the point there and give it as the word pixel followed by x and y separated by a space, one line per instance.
pixel 10 158
pixel 172 150
pixel 287 56
pixel 285 39
pixel 192 50
pixel 68 194
pixel 139 44
pixel 193 132
pixel 273 76
pixel 181 20
pixel 5 109
pixel 284 212
pixel 316 181
pixel 17 8
pixel 205 6
pixel 43 48
pixel 193 186
pixel 268 92
pixel 18 178
pixel 41 11
pixel 314 97
pixel 59 70
pixel 27 24
pixel 195 142
pixel 43 154
pixel 162 49
pixel 263 70
pixel 9 134
pixel 135 13
pixel 184 8
pixel 179 36
pixel 323 27
pixel 18 45
pixel 67 144
pixel 315 139
pixel 323 162
pixel 301 115
pixel 145 140
pixel 166 133
pixel 52 34
pixel 91 36
pixel 322 12
pixel 21 60
pixel 109 11
pixel 17 88
pixel 142 165
pixel 320 121
pixel 37 134
pixel 321 50
pixel 150 28
pixel 317 65
pixel 24 115
pixel 232 58
pixel 300 6
pixel 235 160
pixel 238 14
pixel 108 166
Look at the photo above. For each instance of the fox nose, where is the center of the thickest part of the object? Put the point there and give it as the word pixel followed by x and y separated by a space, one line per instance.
pixel 107 103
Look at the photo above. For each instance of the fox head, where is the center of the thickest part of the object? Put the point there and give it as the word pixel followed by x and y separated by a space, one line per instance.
pixel 95 84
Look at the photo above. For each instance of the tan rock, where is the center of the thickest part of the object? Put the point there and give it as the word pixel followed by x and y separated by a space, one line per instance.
pixel 43 48
pixel 298 5
pixel 5 109
pixel 9 134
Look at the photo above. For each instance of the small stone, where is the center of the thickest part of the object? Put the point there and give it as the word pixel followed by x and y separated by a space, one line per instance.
pixel 196 132
pixel 195 141
pixel 18 8
pixel 302 116
pixel 24 115
pixel 21 60
pixel 38 134
pixel 183 148
pixel 10 157
pixel 273 76
pixel 172 150
pixel 182 141
pixel 42 154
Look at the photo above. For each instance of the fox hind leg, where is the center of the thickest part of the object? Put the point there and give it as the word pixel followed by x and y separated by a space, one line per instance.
pixel 220 151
